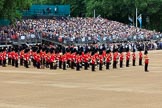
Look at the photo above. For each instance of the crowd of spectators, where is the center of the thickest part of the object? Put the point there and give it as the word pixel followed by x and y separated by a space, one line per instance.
pixel 75 30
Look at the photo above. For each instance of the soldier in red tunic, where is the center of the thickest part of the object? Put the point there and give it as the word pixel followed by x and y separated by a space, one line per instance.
pixel 127 57
pixel 60 58
pixel 100 60
pixel 78 61
pixel 121 58
pixel 12 57
pixel 52 59
pixel 26 58
pixel 108 59
pixel 64 60
pixel 38 59
pixel 21 57
pixel 86 59
pixel 93 61
pixel 115 58
pixel 146 61
pixel 73 56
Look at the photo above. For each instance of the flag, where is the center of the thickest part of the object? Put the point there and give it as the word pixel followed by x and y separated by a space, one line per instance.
pixel 139 18
pixel 130 19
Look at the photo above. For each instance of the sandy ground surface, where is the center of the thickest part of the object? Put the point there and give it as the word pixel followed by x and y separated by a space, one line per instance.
pixel 121 88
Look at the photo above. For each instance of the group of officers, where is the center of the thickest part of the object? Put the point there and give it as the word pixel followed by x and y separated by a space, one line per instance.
pixel 41 56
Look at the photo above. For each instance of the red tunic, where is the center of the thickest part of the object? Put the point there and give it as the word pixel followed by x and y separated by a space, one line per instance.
pixel 134 56
pixel 121 57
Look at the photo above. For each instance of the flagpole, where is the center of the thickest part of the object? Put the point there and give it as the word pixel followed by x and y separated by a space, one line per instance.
pixel 136 17
pixel 94 13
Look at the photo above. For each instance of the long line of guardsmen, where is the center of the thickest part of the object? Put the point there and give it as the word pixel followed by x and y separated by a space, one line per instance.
pixel 70 58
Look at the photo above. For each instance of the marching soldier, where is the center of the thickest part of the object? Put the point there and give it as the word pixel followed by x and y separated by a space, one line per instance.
pixel 85 58
pixel 127 57
pixel 38 59
pixel 133 57
pixel 12 57
pixel 47 58
pixel 52 60
pixel 146 60
pixel 100 60
pixel 21 57
pixel 78 61
pixel 73 56
pixel 121 58
pixel 64 60
pixel 93 61
pixel 9 56
pixel 26 58
pixel 108 59
pixel 115 57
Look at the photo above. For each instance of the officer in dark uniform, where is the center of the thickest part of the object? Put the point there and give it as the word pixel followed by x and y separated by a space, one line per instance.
pixel 134 57
pixel 4 57
pixel 9 55
pixel 140 56
pixel 16 57
pixel 12 56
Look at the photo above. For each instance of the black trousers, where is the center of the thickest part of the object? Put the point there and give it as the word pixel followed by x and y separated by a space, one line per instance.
pixel 26 64
pixel 146 67
pixel 85 65
pixel 4 63
pixel 114 64
pixel 51 65
pixel 121 63
pixel 64 65
pixel 93 67
pixel 34 63
pixel 140 62
pixel 77 66
pixel 100 66
pixel 13 62
pixel 55 65
pixel 134 61
pixel 60 64
pixel 72 64
pixel 127 63
pixel 16 63
pixel 21 61
pixel 9 61
pixel 38 65
pixel 107 65
pixel 47 64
